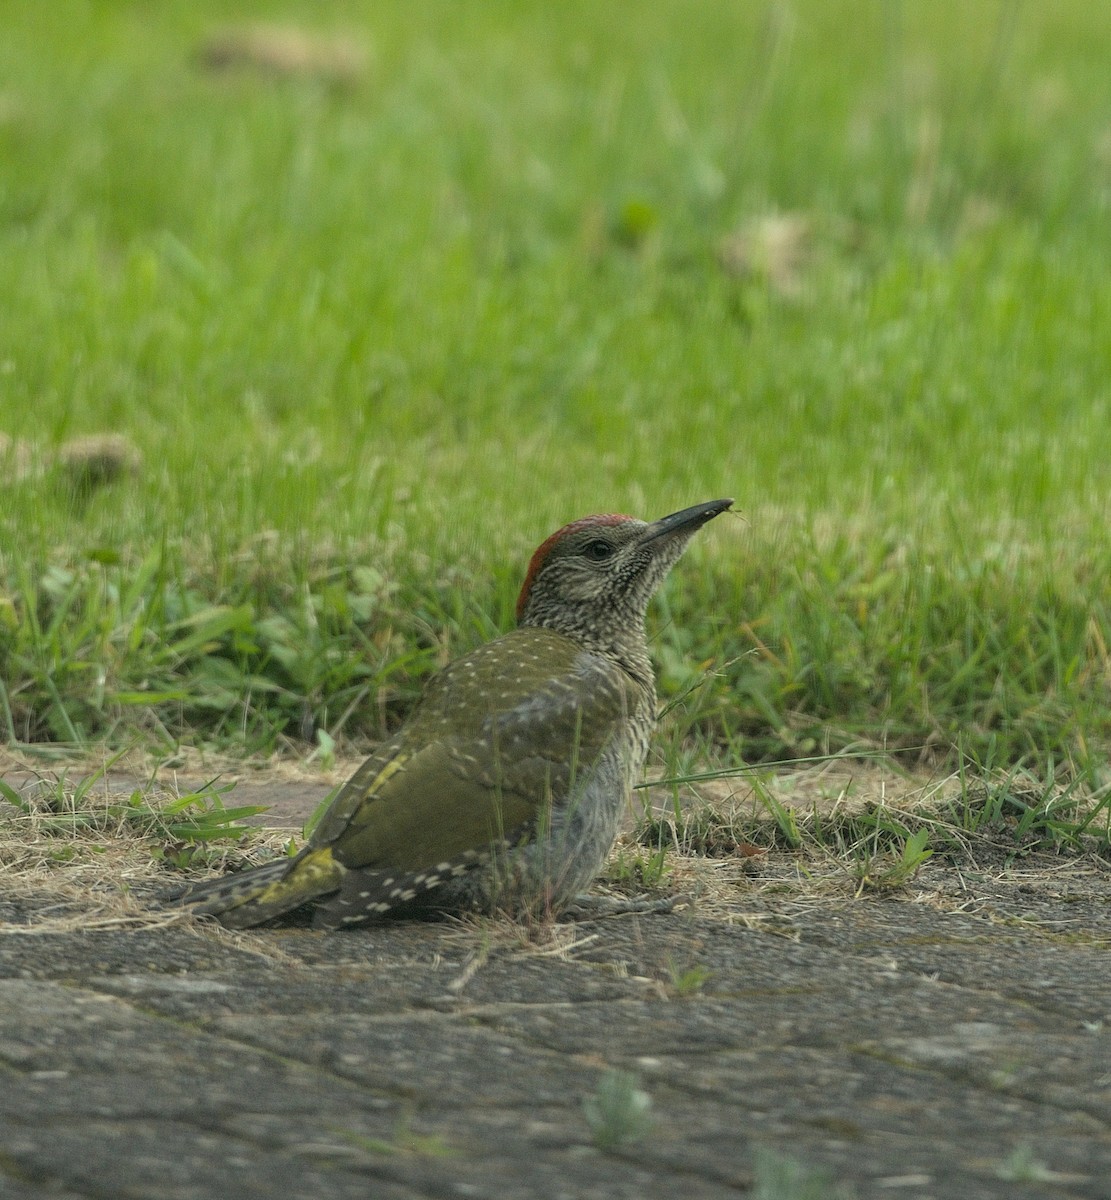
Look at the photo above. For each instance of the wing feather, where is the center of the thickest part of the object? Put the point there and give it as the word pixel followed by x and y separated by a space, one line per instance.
pixel 498 734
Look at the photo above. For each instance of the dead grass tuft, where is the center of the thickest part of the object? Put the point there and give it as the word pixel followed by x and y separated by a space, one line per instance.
pixel 93 461
pixel 68 866
pixel 774 247
pixel 85 463
pixel 282 51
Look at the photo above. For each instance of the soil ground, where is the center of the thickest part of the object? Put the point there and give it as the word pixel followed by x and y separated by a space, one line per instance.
pixel 948 1041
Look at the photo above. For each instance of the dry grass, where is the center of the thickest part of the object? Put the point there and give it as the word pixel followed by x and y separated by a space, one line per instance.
pixel 74 859
pixel 70 862
pixel 279 50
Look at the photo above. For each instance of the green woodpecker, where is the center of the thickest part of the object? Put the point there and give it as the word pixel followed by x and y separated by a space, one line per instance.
pixel 504 788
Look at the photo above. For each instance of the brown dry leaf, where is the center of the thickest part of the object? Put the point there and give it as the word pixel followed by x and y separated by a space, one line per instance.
pixel 775 247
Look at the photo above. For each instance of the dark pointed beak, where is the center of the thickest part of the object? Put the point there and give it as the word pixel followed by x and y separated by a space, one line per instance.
pixel 686 520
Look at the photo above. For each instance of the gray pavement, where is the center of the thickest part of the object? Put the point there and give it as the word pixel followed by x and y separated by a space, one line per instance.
pixel 952 1043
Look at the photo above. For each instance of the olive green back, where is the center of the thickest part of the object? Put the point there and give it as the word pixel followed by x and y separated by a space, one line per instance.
pixel 498 734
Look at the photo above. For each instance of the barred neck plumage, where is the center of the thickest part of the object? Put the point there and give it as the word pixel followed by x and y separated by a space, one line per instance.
pixel 619 637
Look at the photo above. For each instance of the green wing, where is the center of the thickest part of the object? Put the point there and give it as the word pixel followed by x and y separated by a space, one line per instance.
pixel 499 733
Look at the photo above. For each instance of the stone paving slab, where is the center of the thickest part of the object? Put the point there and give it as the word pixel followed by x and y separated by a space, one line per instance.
pixel 908 1048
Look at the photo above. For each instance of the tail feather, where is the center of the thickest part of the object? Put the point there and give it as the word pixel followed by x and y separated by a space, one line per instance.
pixel 257 895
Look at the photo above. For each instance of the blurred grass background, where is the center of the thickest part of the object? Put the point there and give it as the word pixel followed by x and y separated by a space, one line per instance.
pixel 382 294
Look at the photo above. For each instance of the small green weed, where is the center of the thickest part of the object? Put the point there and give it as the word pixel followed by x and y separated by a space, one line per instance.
pixel 185 826
pixel 405 1142
pixel 780 1177
pixel 1022 1165
pixel 786 821
pixel 891 868
pixel 619 1112
pixel 632 871
pixel 318 812
pixel 325 750
pixel 688 981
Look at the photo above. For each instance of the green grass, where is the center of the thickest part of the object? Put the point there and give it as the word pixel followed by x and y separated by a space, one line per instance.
pixel 375 338
pixel 982 813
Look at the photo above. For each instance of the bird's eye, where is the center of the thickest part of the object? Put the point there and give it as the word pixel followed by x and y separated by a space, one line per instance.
pixel 598 550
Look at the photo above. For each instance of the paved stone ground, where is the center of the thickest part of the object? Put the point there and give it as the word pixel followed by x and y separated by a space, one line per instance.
pixel 926 1046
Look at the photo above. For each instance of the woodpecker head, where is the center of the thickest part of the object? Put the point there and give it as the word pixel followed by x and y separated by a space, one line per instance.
pixel 593 579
